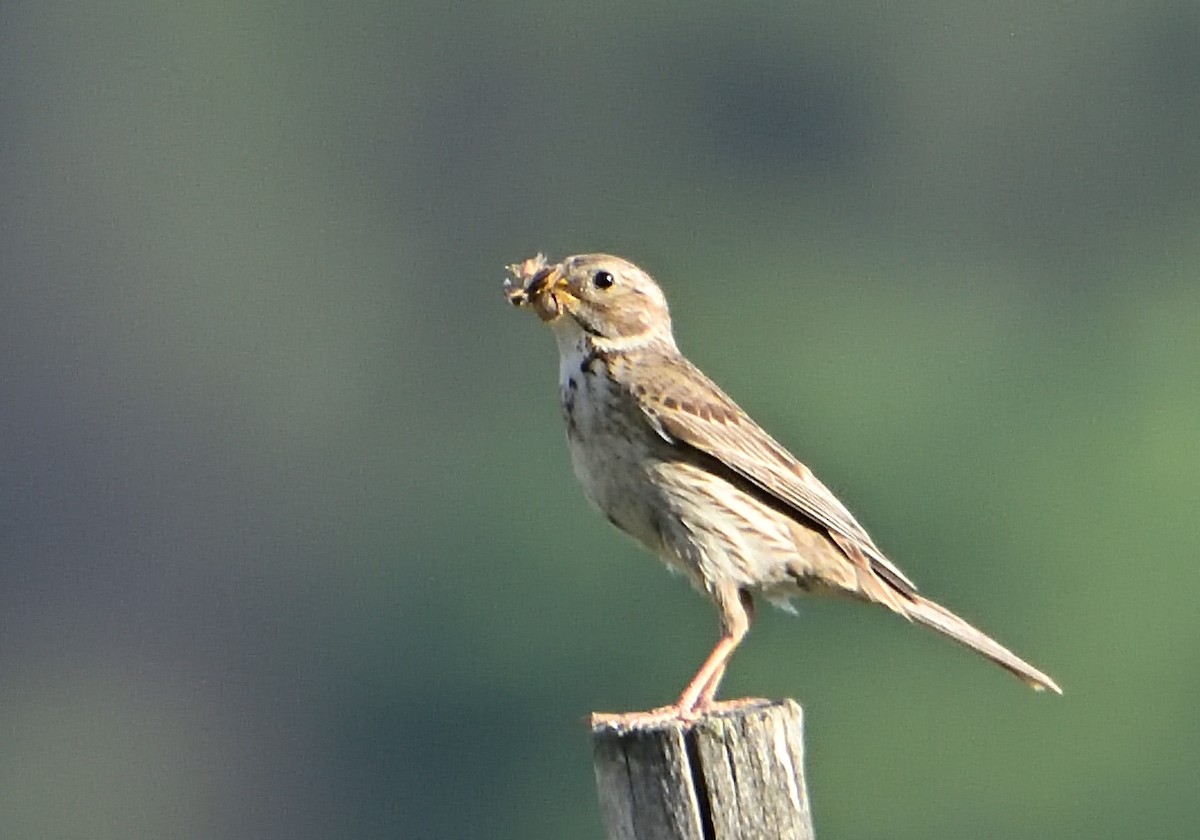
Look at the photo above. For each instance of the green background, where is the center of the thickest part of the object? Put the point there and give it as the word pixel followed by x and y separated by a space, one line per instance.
pixel 290 547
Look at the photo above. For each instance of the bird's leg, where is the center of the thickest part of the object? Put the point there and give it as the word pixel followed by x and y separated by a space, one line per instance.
pixel 737 611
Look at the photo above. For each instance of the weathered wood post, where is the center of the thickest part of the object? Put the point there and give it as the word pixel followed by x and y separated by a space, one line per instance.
pixel 735 774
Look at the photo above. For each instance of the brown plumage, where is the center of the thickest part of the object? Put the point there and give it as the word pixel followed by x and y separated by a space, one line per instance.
pixel 677 464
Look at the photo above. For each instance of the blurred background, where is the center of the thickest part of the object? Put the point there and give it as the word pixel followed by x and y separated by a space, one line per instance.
pixel 289 541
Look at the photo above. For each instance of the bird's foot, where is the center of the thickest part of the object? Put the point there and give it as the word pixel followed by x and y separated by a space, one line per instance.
pixel 649 719
pixel 675 713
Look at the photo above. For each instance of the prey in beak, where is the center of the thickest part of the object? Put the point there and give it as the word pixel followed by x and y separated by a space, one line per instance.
pixel 536 284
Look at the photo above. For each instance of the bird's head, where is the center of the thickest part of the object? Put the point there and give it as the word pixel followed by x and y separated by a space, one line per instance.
pixel 603 296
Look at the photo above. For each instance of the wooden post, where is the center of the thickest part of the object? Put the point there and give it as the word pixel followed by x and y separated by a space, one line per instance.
pixel 735 774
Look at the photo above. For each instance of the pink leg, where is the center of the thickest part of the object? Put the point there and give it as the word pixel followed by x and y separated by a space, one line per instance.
pixel 737 611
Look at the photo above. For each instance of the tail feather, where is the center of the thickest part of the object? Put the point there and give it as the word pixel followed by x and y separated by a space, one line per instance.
pixel 926 612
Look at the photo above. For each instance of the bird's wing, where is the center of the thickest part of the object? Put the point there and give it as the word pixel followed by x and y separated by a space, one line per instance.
pixel 696 413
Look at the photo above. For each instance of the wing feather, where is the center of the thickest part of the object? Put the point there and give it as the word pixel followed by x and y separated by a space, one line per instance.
pixel 696 413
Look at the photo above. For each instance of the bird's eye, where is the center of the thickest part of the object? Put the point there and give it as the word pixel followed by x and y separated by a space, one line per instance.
pixel 602 280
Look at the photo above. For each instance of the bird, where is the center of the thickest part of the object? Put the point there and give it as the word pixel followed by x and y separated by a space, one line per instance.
pixel 668 458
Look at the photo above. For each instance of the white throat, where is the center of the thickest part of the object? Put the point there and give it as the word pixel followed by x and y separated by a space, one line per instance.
pixel 575 343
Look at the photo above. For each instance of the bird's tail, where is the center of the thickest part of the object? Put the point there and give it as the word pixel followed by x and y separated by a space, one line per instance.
pixel 926 612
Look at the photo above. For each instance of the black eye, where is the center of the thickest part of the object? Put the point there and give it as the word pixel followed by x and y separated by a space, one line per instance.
pixel 602 280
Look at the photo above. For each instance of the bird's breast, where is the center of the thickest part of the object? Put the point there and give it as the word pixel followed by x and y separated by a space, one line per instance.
pixel 612 445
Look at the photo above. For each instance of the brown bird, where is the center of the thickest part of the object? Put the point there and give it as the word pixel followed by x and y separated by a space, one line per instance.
pixel 668 458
